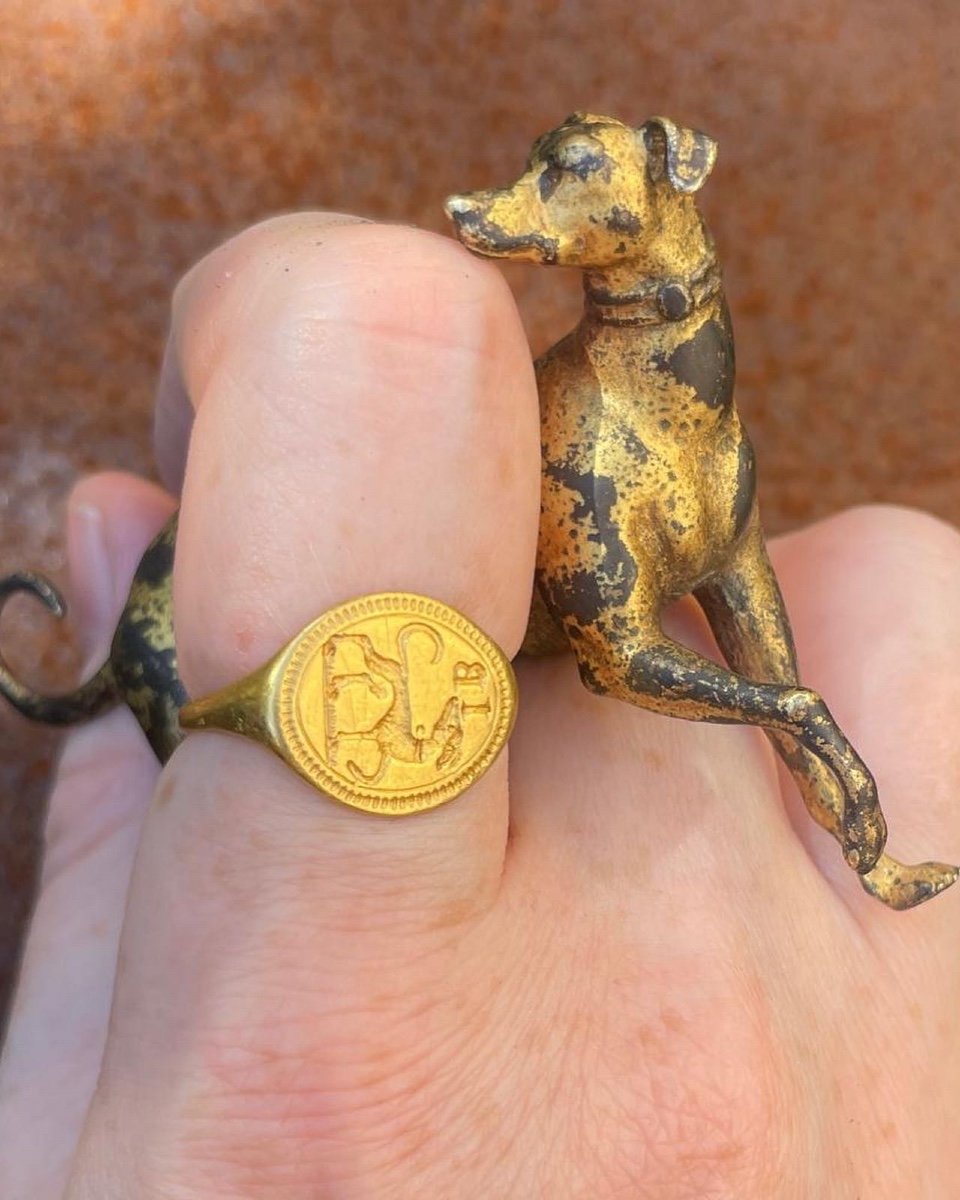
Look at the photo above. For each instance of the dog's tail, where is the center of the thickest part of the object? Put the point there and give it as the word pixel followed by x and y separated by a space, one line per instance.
pixel 86 701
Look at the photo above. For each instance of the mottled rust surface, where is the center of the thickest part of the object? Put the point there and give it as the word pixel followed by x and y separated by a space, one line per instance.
pixel 134 136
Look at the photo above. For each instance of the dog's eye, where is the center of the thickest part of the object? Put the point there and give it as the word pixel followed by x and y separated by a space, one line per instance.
pixel 579 155
pixel 549 181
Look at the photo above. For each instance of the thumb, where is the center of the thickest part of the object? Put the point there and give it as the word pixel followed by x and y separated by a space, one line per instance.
pixel 104 779
pixel 365 420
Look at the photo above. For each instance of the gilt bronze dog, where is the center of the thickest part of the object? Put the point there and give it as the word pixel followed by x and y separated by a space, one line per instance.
pixel 649 484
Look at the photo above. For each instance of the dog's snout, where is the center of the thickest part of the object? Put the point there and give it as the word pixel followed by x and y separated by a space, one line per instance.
pixel 458 206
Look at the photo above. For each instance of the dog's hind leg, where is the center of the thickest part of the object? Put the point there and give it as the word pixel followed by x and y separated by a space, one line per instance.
pixel 748 618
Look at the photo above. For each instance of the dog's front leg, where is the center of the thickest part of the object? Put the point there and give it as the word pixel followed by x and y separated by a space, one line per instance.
pixel 746 612
pixel 623 652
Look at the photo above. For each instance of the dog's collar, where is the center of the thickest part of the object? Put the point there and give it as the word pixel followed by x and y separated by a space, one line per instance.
pixel 656 300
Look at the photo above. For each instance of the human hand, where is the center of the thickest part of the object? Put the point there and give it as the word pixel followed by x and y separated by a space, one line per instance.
pixel 643 973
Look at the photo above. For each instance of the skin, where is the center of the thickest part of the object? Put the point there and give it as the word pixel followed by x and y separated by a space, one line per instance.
pixel 624 964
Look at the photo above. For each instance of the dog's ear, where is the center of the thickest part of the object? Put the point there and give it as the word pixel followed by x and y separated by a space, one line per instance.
pixel 685 156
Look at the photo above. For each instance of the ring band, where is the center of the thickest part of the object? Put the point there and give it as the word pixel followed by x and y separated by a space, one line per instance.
pixel 392 703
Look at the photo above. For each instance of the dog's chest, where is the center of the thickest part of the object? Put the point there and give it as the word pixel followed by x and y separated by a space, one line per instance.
pixel 640 434
pixel 673 378
pixel 639 396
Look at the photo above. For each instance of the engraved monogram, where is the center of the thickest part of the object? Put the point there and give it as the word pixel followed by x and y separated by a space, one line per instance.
pixel 395 735
pixel 394 703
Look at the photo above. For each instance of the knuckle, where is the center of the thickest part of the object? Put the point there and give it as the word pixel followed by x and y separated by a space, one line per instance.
pixel 210 300
pixel 360 304
pixel 904 540
pixel 702 1094
pixel 344 1075
pixel 389 300
pixel 910 581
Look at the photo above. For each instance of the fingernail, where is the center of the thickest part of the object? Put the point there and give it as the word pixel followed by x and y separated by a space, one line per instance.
pixel 94 585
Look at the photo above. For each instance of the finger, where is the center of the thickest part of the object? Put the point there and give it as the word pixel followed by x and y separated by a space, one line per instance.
pixel 105 776
pixel 365 419
pixel 213 277
pixel 370 424
pixel 172 422
pixel 872 595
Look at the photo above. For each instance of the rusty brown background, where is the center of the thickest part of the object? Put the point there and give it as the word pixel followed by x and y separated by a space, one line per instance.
pixel 137 135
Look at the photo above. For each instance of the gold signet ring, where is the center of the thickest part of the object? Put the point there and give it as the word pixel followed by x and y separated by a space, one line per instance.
pixel 392 703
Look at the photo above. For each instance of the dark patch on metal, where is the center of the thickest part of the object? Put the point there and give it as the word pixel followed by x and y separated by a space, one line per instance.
pixel 636 448
pixel 582 164
pixel 495 241
pixel 746 485
pixel 549 181
pixel 146 672
pixel 685 173
pixel 655 143
pixel 156 566
pixel 590 679
pixel 685 156
pixel 590 164
pixel 698 160
pixel 726 324
pixel 616 573
pixel 674 301
pixel 577 593
pixel 655 671
pixel 143 656
pixel 622 220
pixel 623 626
pixel 647 676
pixel 581 154
pixel 704 363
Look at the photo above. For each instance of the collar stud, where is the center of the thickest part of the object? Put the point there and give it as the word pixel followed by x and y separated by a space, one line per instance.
pixel 674 300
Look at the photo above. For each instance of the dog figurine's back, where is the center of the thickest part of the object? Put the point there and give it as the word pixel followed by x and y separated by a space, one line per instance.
pixel 648 481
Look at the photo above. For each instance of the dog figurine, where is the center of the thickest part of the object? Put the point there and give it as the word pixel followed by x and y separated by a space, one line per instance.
pixel 649 480
pixel 649 485
pixel 141 669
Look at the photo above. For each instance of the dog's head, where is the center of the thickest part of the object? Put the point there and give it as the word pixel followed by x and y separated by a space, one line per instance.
pixel 594 190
